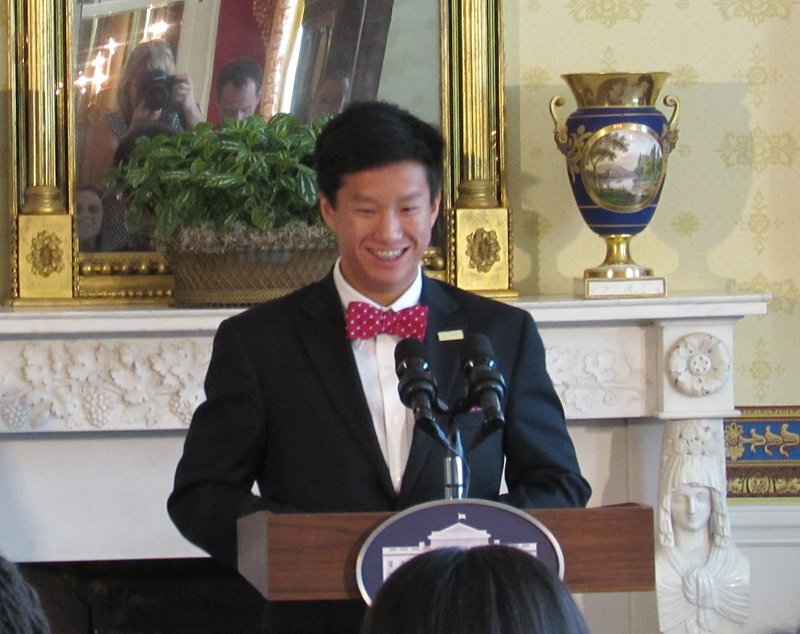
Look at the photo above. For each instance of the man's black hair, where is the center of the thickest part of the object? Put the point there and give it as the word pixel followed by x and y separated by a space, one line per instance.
pixel 237 73
pixel 371 134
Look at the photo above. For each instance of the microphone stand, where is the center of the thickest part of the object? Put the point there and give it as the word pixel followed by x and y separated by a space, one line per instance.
pixel 456 481
pixel 456 485
pixel 456 468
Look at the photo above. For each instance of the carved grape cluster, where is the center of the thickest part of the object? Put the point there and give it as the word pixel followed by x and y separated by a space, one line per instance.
pixel 97 406
pixel 14 415
pixel 181 409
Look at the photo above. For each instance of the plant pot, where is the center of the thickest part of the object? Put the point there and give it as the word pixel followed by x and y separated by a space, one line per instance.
pixel 244 278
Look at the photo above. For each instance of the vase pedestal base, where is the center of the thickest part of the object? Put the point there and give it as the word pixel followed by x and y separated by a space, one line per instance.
pixel 616 288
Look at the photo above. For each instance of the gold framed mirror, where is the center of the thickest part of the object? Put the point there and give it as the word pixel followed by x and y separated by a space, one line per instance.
pixel 47 264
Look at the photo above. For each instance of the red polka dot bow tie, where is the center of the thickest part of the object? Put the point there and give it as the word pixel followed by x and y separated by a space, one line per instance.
pixel 365 321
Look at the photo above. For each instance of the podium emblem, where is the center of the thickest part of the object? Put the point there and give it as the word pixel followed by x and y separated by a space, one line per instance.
pixel 450 523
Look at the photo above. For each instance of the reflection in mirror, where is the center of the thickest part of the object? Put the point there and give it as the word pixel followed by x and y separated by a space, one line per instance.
pixel 145 68
pixel 126 82
pixel 89 205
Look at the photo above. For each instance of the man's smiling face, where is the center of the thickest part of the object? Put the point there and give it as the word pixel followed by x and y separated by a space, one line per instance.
pixel 383 219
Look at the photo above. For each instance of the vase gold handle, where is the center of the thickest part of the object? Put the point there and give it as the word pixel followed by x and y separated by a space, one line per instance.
pixel 560 131
pixel 671 137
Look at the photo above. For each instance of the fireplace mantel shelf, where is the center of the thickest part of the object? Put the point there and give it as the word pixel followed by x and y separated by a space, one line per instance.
pixel 547 310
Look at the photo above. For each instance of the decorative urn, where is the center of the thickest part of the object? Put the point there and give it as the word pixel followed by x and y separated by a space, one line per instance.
pixel 616 145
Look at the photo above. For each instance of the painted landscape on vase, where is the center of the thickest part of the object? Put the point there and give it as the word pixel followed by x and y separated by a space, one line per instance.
pixel 623 169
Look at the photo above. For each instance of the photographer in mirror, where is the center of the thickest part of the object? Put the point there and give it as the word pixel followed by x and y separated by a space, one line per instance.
pixel 148 90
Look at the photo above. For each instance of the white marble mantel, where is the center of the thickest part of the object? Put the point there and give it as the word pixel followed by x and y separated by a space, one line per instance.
pixel 94 404
pixel 142 369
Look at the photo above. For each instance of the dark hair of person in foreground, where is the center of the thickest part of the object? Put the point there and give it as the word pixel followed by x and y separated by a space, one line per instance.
pixel 20 610
pixel 488 590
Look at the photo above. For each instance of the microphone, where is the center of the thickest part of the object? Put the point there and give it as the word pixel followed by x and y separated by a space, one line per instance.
pixel 486 385
pixel 418 392
pixel 417 386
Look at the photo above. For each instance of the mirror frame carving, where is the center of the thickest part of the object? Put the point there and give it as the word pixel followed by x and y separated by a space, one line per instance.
pixel 46 266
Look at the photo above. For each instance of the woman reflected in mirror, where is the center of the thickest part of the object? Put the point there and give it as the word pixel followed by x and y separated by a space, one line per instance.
pixel 148 91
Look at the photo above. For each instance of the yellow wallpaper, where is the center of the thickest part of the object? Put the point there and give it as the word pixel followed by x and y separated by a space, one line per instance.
pixel 727 219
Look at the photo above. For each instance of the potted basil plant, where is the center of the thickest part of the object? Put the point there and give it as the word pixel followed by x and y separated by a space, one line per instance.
pixel 233 209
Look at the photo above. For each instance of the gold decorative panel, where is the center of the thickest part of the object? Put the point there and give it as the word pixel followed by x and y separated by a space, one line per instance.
pixel 762 452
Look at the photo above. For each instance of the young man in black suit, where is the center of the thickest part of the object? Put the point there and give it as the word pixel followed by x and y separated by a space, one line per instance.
pixel 314 417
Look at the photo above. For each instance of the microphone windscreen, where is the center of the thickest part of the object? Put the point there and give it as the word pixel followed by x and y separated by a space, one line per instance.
pixel 478 346
pixel 409 348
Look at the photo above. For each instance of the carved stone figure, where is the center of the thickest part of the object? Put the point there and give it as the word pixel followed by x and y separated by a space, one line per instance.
pixel 702 580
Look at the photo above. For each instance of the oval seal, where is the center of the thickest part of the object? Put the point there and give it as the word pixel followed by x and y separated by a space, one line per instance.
pixel 450 523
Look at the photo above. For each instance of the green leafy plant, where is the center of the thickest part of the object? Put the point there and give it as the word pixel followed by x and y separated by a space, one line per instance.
pixel 230 183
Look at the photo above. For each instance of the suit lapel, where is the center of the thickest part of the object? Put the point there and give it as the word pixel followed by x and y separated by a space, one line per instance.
pixel 446 320
pixel 320 328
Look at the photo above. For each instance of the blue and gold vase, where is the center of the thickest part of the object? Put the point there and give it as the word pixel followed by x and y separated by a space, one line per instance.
pixel 616 144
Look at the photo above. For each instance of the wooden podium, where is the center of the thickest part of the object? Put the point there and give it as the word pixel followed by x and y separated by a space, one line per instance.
pixel 296 557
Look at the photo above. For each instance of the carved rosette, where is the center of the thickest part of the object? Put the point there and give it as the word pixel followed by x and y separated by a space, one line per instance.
pixel 699 364
pixel 483 249
pixel 46 254
pixel 80 385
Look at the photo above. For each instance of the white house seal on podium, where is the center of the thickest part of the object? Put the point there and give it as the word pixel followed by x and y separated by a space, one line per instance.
pixel 450 523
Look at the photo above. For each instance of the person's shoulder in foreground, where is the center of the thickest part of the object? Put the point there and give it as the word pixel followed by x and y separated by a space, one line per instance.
pixel 491 588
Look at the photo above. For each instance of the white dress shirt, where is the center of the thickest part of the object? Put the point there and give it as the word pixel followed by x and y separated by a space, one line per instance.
pixel 393 421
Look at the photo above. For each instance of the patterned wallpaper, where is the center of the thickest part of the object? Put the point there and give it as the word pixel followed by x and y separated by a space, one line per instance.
pixel 727 220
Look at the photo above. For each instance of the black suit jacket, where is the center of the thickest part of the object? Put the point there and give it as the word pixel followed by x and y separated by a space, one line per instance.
pixel 285 408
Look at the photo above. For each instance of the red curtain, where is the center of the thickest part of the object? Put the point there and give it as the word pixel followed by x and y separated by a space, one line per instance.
pixel 242 31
